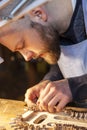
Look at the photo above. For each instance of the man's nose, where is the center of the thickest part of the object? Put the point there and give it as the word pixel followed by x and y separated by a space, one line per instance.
pixel 28 55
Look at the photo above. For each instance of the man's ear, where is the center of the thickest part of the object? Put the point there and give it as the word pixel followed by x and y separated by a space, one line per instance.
pixel 40 13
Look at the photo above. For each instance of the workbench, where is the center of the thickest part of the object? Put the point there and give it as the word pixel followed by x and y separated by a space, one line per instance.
pixel 8 110
pixel 70 118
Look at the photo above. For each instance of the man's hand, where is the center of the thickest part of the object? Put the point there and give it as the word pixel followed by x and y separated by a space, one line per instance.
pixel 32 94
pixel 55 96
pixel 52 96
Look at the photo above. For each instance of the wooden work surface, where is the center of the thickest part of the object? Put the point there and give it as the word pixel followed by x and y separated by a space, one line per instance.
pixel 9 109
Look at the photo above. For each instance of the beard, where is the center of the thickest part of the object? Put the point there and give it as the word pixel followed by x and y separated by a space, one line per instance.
pixel 49 34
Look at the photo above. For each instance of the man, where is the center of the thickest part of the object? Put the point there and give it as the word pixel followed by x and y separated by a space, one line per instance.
pixel 37 35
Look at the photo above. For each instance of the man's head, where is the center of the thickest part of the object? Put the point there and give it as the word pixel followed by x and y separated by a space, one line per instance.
pixel 33 36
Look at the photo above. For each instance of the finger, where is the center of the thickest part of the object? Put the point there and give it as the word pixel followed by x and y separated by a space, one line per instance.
pixel 52 104
pixel 40 107
pixel 44 92
pixel 43 101
pixel 63 102
pixel 30 95
pixel 49 97
pixel 30 103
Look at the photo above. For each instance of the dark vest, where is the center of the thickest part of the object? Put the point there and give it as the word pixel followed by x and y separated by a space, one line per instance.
pixel 76 31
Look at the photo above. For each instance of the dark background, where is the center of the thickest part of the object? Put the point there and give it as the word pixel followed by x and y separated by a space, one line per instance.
pixel 17 75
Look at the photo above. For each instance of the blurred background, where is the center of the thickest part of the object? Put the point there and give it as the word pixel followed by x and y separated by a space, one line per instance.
pixel 17 75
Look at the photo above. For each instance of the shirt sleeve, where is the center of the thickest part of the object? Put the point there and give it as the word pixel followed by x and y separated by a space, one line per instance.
pixel 78 86
pixel 54 73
